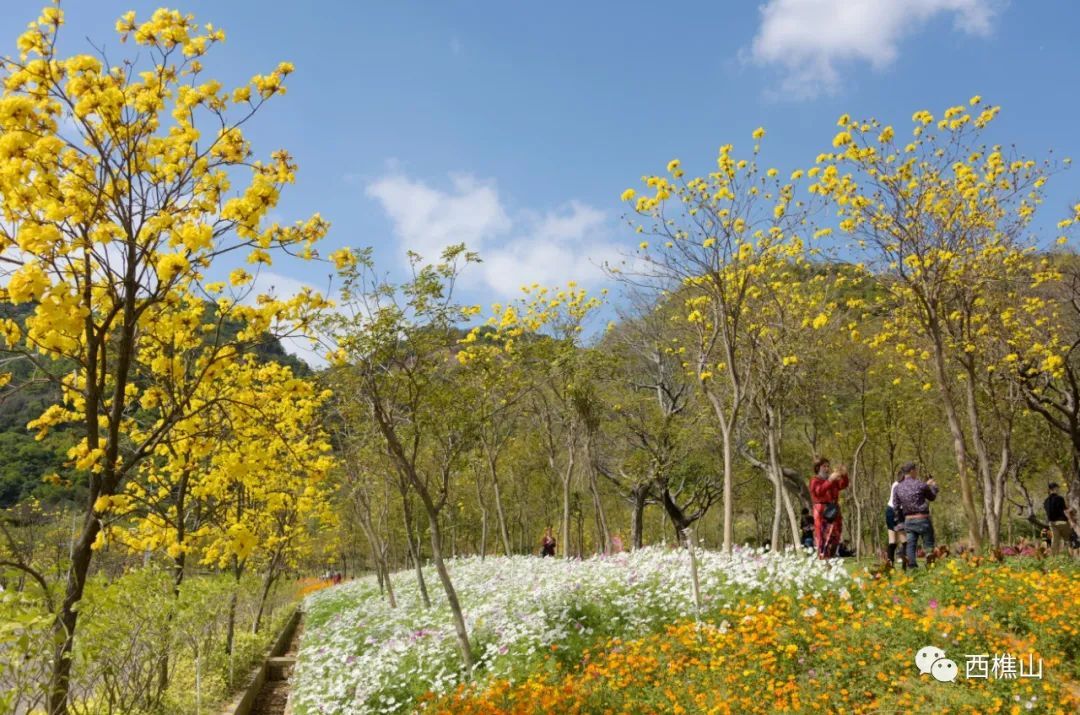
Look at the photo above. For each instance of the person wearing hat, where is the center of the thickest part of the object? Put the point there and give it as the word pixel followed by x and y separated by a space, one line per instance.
pixel 1060 531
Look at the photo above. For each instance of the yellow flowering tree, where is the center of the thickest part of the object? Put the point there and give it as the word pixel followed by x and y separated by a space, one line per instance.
pixel 1042 351
pixel 712 240
pixel 119 198
pixel 544 330
pixel 941 217
pixel 496 373
pixel 268 480
pixel 241 483
pixel 794 323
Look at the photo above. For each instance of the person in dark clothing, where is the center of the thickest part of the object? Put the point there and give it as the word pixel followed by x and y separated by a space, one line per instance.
pixel 913 496
pixel 806 525
pixel 894 520
pixel 547 544
pixel 1060 531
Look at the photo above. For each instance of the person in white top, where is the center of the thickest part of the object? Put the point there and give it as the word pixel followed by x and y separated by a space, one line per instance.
pixel 894 518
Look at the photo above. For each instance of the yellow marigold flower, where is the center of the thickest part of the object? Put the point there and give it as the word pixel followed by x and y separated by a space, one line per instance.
pixel 628 195
pixel 239 277
pixel 975 100
pixel 759 133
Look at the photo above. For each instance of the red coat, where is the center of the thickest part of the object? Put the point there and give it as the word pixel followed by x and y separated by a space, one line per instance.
pixel 826 535
pixel 822 491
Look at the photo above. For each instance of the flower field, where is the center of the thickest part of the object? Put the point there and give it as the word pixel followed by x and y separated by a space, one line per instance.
pixel 524 613
pixel 778 633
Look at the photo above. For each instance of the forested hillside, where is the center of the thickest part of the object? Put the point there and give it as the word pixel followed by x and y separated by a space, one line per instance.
pixel 40 468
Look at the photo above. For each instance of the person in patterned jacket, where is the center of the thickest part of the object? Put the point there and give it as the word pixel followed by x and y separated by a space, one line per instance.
pixel 913 496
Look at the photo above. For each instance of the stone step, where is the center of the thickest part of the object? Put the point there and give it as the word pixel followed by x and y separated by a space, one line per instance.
pixel 279 668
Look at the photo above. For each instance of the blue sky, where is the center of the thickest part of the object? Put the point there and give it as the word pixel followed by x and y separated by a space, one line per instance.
pixel 514 127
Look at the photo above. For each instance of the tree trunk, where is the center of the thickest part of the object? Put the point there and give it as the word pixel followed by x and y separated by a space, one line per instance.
pixel 967 499
pixel 64 626
pixel 729 491
pixel 178 578
pixel 566 477
pixel 268 582
pixel 602 534
pixel 414 551
pixel 444 576
pixel 230 632
pixel 772 434
pixel 856 479
pixel 390 599
pixel 640 495
pixel 678 517
pixel 500 515
pixel 483 519
pixel 793 518
pixel 991 516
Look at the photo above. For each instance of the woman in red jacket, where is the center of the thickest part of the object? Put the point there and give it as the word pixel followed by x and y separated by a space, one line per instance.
pixel 825 495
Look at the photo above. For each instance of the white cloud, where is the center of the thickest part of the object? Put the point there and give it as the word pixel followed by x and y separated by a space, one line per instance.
pixel 426 219
pixel 811 39
pixel 548 247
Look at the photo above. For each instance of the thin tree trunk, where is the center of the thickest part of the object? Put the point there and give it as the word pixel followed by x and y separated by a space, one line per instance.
pixel 178 578
pixel 602 533
pixel 991 520
pixel 390 599
pixel 64 627
pixel 729 491
pixel 414 551
pixel 230 632
pixel 483 518
pixel 776 475
pixel 793 518
pixel 500 515
pixel 856 479
pixel 268 582
pixel 967 498
pixel 444 576
pixel 568 474
pixel 640 495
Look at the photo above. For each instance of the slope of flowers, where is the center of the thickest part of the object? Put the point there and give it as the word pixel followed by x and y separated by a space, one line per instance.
pixel 826 654
pixel 359 655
